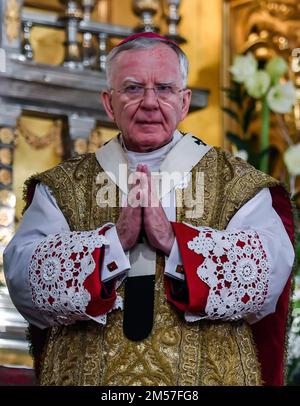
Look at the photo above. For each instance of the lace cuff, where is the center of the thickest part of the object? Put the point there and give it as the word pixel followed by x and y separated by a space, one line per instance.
pixel 57 271
pixel 236 269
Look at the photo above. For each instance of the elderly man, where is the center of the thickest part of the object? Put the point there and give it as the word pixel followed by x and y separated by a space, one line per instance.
pixel 129 275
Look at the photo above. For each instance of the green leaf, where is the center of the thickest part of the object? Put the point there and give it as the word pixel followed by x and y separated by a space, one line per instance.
pixel 232 114
pixel 237 141
pixel 234 94
pixel 298 252
pixel 258 157
pixel 253 159
pixel 227 89
pixel 265 152
pixel 247 117
pixel 295 197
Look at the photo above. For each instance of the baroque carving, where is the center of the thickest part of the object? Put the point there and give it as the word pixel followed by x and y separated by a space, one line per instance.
pixel 7 198
pixel 267 28
pixel 53 136
pixel 5 156
pixel 94 141
pixel 6 135
pixel 12 20
pixel 5 177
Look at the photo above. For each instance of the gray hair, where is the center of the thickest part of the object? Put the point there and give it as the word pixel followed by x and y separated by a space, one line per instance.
pixel 146 43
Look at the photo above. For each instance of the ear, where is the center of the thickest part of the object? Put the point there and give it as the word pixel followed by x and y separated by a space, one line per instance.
pixel 187 95
pixel 106 101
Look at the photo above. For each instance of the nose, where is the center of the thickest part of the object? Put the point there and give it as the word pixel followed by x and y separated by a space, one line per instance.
pixel 150 99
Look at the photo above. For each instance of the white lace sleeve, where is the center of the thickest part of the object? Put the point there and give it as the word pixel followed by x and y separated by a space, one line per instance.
pixel 44 224
pixel 58 268
pixel 236 269
pixel 247 265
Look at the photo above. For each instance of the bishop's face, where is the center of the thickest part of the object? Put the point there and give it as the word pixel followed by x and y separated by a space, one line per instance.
pixel 147 121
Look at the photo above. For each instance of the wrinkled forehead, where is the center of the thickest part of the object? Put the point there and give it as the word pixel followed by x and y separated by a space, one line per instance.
pixel 159 62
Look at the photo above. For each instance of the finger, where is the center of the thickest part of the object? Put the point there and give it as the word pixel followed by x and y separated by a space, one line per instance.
pixel 135 197
pixel 147 170
pixel 135 178
pixel 147 173
pixel 139 168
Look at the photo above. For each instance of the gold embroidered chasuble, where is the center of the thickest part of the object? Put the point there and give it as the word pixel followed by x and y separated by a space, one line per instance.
pixel 176 352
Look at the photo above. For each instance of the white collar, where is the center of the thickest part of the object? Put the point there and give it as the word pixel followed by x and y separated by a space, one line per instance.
pixel 184 155
pixel 152 159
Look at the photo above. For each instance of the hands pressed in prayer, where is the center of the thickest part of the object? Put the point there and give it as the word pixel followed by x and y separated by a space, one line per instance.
pixel 157 227
pixel 147 216
pixel 129 224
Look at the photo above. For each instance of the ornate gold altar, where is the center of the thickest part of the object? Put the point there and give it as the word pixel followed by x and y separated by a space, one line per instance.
pixel 266 28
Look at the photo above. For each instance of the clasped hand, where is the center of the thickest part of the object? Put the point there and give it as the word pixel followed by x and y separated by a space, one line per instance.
pixel 144 214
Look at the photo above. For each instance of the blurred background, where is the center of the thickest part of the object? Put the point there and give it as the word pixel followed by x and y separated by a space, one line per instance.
pixel 52 69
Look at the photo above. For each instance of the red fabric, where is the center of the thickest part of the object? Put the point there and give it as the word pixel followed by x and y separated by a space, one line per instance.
pixel 146 35
pixel 197 289
pixel 269 333
pixel 100 302
pixel 16 376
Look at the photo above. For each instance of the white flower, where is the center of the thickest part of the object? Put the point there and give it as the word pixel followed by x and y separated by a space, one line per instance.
pixel 282 97
pixel 258 84
pixel 243 67
pixel 294 347
pixel 242 153
pixel 291 158
pixel 276 67
pixel 296 295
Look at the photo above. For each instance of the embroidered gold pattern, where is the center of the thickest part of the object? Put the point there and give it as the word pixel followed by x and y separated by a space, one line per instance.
pixel 177 352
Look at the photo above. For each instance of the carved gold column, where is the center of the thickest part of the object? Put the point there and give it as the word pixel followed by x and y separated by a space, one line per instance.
pixel 10 25
pixel 72 17
pixel 80 129
pixel 88 51
pixel 94 141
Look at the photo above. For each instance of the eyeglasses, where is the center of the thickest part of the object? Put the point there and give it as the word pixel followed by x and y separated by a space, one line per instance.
pixel 136 92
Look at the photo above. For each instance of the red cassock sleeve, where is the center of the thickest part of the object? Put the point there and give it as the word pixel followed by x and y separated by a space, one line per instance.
pixel 197 290
pixel 270 332
pixel 103 295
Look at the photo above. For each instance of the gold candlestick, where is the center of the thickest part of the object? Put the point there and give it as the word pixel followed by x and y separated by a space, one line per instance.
pixel 173 19
pixel 88 50
pixel 146 9
pixel 73 15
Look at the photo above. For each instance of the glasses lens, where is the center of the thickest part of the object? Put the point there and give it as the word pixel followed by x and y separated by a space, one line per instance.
pixel 164 91
pixel 161 91
pixel 134 91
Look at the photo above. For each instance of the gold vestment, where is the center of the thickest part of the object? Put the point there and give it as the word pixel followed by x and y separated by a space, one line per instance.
pixel 176 352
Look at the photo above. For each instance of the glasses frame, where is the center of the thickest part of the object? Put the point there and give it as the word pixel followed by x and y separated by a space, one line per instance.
pixel 135 97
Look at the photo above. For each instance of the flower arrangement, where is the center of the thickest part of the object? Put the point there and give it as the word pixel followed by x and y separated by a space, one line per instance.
pixel 253 85
pixel 291 159
pixel 260 92
pixel 294 334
